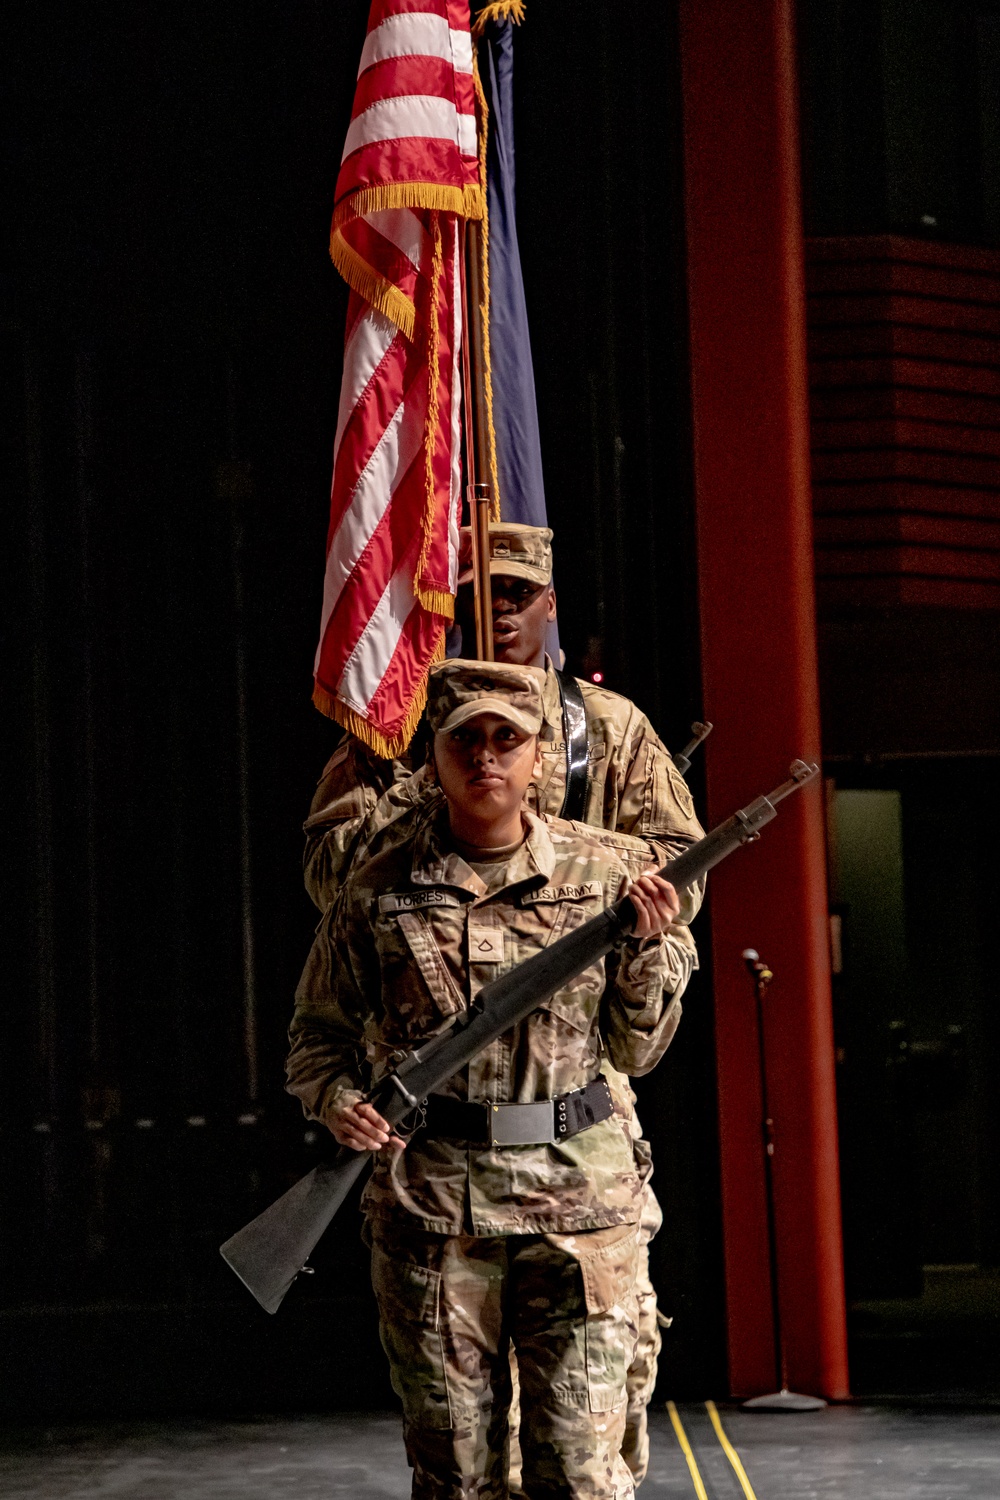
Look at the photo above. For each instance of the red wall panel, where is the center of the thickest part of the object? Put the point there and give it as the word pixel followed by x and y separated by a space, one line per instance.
pixel 758 637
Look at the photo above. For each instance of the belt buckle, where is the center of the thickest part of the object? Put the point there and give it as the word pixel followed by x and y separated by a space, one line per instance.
pixel 521 1124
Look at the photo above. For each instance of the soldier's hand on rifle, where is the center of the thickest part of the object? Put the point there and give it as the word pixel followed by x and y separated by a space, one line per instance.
pixel 657 903
pixel 360 1126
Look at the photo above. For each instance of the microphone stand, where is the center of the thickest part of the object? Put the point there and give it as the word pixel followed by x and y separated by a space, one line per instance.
pixel 784 1399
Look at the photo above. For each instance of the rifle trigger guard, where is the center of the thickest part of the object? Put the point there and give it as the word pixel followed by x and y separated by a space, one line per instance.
pixel 412 1122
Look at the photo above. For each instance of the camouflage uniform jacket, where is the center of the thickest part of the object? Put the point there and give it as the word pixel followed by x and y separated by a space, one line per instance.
pixel 633 787
pixel 389 968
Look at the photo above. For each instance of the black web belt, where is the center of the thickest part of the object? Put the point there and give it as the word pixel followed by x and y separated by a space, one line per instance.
pixel 545 1122
pixel 577 747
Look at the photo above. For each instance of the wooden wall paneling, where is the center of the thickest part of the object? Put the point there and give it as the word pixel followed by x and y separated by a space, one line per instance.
pixel 904 367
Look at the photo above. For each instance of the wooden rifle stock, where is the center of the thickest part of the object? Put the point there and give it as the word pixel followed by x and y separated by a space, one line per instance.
pixel 269 1252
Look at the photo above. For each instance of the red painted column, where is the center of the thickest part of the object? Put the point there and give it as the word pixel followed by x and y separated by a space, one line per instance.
pixel 758 637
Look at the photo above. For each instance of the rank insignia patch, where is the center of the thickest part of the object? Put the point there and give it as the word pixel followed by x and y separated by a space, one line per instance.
pixel 485 945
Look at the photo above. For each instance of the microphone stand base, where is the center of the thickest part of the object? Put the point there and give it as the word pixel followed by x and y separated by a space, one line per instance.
pixel 784 1401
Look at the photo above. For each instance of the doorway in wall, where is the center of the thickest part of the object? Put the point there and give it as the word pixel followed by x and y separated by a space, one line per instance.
pixel 914 927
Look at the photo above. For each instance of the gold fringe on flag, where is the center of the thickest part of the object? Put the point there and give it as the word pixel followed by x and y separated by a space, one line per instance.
pixel 468 201
pixel 437 602
pixel 366 281
pixel 431 598
pixel 497 10
pixel 484 306
pixel 386 746
pixel 362 277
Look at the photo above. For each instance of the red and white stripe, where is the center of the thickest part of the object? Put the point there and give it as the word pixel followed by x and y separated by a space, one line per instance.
pixel 414 118
pixel 409 167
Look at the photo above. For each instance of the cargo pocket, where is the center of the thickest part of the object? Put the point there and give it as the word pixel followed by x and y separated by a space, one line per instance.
pixel 419 990
pixel 609 1272
pixel 409 1303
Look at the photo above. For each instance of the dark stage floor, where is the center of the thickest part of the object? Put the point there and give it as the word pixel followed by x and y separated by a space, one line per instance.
pixel 845 1453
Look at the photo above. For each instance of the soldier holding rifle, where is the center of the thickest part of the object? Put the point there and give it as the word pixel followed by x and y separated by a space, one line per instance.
pixel 601 763
pixel 611 770
pixel 512 1214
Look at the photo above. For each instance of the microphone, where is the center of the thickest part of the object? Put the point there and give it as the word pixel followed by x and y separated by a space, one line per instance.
pixel 756 968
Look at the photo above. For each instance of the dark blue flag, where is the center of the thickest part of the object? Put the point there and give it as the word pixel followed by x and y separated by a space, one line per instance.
pixel 515 414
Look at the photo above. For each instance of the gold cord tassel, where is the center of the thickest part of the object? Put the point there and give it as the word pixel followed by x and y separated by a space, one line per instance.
pixel 497 10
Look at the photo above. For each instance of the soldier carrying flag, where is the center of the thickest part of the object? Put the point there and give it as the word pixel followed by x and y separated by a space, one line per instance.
pixel 406 222
pixel 615 769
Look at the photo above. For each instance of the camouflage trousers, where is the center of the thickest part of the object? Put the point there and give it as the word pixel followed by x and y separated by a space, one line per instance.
pixel 451 1308
pixel 640 1380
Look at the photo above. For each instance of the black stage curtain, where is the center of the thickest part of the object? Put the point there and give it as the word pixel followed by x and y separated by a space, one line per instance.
pixel 170 362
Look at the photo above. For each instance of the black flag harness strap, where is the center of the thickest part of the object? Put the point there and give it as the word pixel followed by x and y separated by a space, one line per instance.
pixel 577 747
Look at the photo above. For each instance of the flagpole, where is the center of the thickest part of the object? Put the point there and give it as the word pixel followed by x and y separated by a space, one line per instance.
pixel 477 458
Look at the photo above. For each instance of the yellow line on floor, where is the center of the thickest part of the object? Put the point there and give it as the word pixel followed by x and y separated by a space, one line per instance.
pixel 730 1451
pixel 682 1438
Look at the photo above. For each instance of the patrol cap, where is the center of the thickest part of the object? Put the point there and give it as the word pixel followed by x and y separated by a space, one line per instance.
pixel 518 551
pixel 458 690
pixel 521 551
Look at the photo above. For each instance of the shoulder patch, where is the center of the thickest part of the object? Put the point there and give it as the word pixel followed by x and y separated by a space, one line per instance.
pixel 681 791
pixel 566 892
pixel 416 900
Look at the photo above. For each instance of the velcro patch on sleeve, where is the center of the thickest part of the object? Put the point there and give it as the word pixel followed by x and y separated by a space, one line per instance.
pixel 416 901
pixel 567 892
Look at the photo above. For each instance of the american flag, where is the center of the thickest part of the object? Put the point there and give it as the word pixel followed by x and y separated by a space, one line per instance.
pixel 409 175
